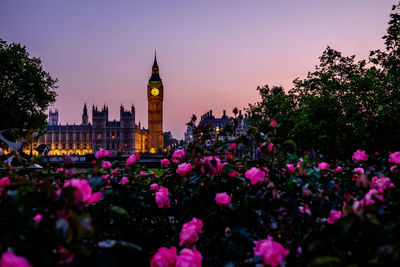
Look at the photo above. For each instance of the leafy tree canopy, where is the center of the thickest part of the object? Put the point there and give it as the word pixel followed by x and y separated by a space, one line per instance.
pixel 26 90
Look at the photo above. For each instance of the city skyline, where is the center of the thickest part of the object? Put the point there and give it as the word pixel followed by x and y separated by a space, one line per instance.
pixel 211 54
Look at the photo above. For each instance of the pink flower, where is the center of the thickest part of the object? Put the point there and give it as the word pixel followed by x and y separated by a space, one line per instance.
pixel 154 187
pixel 334 216
pixel 275 194
pixel 184 169
pixel 359 170
pixel 223 199
pixel 38 217
pixel 290 168
pixel 131 160
pixel 299 163
pixel 273 253
pixel 95 197
pixel 307 192
pixel 164 257
pixel 83 191
pixel 59 170
pixel 394 157
pixel 102 153
pixel 190 232
pixel 65 255
pixel 115 172
pixel 214 165
pixel 367 200
pixel 393 168
pixel 323 166
pixel 382 183
pixel 106 165
pixel 305 209
pixel 124 180
pixel 189 258
pixel 9 259
pixel 162 198
pixel 233 146
pixel 360 155
pixel 228 155
pixel 165 162
pixel 273 123
pixel 270 147
pixel 233 173
pixel 255 175
pixel 178 155
pixel 142 173
pixel 5 181
pixel 338 169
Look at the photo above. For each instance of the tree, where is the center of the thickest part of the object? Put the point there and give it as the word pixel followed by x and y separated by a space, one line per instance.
pixel 342 105
pixel 26 90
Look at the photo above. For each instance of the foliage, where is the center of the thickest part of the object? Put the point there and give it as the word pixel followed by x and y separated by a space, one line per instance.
pixel 127 227
pixel 26 90
pixel 342 105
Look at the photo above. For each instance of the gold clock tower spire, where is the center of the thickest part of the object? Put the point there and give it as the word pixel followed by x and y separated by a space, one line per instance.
pixel 155 95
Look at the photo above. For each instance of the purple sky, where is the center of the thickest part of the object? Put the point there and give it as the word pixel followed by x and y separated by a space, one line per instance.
pixel 212 54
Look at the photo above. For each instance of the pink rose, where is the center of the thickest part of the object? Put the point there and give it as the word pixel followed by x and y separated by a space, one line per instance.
pixel 154 187
pixel 189 258
pixel 164 162
pixel 124 180
pixel 367 200
pixel 38 217
pixel 65 255
pixel 228 155
pixel 131 160
pixel 273 253
pixel 214 165
pixel 178 155
pixel 223 199
pixel 184 169
pixel 338 169
pixel 299 163
pixel 9 259
pixel 273 123
pixel 83 191
pixel 190 232
pixel 164 257
pixel 5 181
pixel 233 173
pixel 393 168
pixel 360 155
pixel 162 198
pixel 382 183
pixel 359 170
pixel 305 209
pixel 323 166
pixel 255 175
pixel 115 172
pixel 290 168
pixel 106 165
pixel 102 153
pixel 334 216
pixel 270 147
pixel 233 146
pixel 59 170
pixel 275 194
pixel 394 157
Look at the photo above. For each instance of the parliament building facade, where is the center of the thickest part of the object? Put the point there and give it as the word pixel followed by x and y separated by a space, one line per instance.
pixel 123 136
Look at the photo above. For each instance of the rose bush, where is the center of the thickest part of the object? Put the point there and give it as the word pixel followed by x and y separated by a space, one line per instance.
pixel 254 205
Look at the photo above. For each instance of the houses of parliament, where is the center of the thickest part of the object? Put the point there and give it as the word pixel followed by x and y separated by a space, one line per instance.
pixel 117 136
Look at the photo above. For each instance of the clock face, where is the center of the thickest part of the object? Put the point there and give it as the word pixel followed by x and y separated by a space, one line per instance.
pixel 154 92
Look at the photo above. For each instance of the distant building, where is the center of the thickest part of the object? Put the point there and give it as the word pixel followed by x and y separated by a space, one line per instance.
pixel 217 124
pixel 117 136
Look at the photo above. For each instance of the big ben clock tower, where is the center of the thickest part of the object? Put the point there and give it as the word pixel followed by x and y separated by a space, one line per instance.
pixel 155 95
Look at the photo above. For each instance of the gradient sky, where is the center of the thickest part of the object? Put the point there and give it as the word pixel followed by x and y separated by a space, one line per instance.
pixel 212 54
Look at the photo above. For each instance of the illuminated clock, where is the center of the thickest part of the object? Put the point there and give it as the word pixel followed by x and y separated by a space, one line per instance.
pixel 154 92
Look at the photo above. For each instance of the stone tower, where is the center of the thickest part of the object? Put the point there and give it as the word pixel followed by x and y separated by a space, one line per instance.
pixel 127 130
pixel 53 117
pixel 85 116
pixel 155 95
pixel 99 120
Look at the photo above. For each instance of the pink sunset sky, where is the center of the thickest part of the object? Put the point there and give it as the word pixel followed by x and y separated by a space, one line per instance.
pixel 212 54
